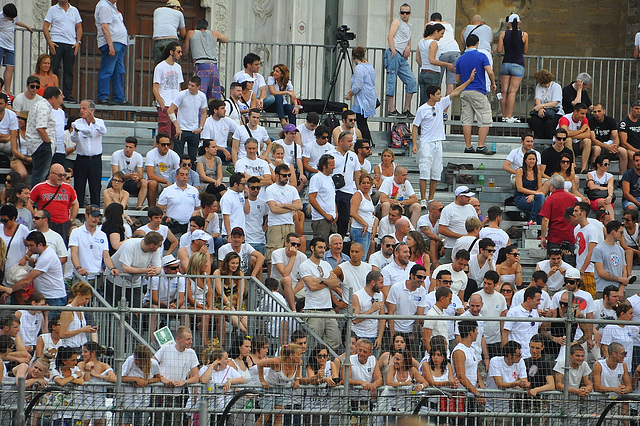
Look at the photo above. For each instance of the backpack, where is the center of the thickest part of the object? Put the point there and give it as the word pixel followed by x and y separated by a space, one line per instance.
pixel 400 135
pixel 331 121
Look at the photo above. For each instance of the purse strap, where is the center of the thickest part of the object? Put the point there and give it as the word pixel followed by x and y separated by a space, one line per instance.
pixel 49 202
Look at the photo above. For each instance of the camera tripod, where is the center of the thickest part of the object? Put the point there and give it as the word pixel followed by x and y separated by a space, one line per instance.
pixel 343 56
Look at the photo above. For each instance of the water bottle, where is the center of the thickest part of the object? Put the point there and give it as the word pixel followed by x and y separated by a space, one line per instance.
pixel 481 177
pixel 494 147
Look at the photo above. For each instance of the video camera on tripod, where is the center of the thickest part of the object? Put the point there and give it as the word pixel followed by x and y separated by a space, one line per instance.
pixel 343 35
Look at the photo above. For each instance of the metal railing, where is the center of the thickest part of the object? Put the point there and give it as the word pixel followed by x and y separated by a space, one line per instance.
pixel 615 80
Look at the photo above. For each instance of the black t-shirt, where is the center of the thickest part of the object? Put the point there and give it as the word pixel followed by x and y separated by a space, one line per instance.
pixel 634 182
pixel 551 159
pixel 537 371
pixel 109 228
pixel 632 129
pixel 569 93
pixel 603 130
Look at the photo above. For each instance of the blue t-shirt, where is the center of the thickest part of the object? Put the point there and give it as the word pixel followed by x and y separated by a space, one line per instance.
pixel 634 182
pixel 469 60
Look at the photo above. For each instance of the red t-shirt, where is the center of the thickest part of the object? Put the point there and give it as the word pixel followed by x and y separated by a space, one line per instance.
pixel 60 206
pixel 553 209
pixel 567 120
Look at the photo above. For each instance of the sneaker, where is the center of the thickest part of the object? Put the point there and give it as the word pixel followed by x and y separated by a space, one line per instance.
pixel 504 119
pixel 231 169
pixel 484 150
pixel 71 100
pixel 408 114
pixel 511 120
pixel 423 204
pixel 123 103
pixel 469 150
pixel 515 119
pixel 393 113
pixel 105 102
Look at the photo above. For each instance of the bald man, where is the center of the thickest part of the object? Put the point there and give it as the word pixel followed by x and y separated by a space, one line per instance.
pixel 402 229
pixel 59 198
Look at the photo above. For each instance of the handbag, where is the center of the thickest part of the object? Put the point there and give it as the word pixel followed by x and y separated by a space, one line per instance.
pixel 548 112
pixel 338 178
pixel 594 194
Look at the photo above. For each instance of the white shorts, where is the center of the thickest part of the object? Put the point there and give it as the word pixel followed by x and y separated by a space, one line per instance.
pixel 430 160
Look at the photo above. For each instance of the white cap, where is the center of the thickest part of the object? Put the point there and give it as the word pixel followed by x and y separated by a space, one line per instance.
pixel 199 234
pixel 464 190
pixel 245 77
pixel 572 273
pixel 513 16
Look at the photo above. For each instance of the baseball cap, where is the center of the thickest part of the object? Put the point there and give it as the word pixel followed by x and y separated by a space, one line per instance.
pixel 93 210
pixel 513 16
pixel 572 273
pixel 237 230
pixel 169 260
pixel 464 190
pixel 199 234
pixel 174 3
pixel 33 79
pixel 635 103
pixel 290 128
pixel 245 77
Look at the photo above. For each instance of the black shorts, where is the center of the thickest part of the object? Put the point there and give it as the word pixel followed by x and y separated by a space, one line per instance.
pixel 131 187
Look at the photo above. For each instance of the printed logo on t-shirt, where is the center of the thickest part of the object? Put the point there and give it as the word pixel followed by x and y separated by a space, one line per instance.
pixel 163 167
pixel 582 303
pixel 582 243
pixel 417 298
pixel 614 259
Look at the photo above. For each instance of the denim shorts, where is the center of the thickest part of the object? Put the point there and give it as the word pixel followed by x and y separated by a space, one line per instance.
pixel 514 70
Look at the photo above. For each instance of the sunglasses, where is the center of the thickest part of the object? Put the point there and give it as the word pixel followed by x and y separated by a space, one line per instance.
pixel 433 111
pixel 490 250
pixel 627 219
pixel 388 245
pixel 447 282
pixel 254 187
pixel 421 277
pixel 172 268
pixel 37 217
pixel 34 86
pixel 323 356
pixel 515 254
pixel 5 220
pixel 60 175
pixel 8 181
pixel 561 139
pixel 324 137
pixel 351 120
pixel 294 244
pixel 403 12
pixel 117 180
pixel 164 144
pixel 506 290
pixel 569 281
pixel 565 304
pixel 606 164
pixel 366 147
pixel 285 175
pixel 565 161
pixel 185 165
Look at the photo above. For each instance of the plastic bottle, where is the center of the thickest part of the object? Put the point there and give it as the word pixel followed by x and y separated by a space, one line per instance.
pixel 494 147
pixel 481 177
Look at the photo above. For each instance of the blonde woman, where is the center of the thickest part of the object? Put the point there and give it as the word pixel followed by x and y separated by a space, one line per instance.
pixel 364 224
pixel 199 290
pixel 73 325
pixel 386 168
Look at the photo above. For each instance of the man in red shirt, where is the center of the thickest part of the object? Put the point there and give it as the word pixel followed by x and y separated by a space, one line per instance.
pixel 579 135
pixel 58 198
pixel 555 228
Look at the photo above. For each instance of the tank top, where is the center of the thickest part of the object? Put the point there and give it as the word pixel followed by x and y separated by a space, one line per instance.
pixel 368 327
pixel 79 339
pixel 402 36
pixel 354 277
pixel 365 210
pixel 30 325
pixel 513 54
pixel 424 45
pixel 204 47
pixel 199 294
pixel 49 346
pixel 603 181
pixel 531 185
pixel 611 378
pixel 278 378
pixel 387 177
pixel 246 373
pixel 631 239
pixel 470 363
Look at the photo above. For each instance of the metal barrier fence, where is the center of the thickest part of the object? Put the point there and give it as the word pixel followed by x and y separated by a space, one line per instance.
pixel 615 80
pixel 210 404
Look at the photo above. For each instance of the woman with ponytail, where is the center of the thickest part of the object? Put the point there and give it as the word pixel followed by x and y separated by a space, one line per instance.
pixel 95 372
pixel 515 44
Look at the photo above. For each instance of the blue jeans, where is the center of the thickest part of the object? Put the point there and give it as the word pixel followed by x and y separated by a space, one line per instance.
pixel 398 66
pixel 257 247
pixel 111 73
pixel 192 141
pixel 365 239
pixel 41 160
pixel 534 207
pixel 283 110
pixel 270 99
pixel 60 301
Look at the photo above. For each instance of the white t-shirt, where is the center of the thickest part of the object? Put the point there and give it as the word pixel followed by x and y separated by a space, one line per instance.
pixel 399 192
pixel 637 40
pixel 453 217
pixel 348 172
pixel 245 255
pixel 189 107
pixel 135 396
pixel 393 274
pixel 108 13
pixel 89 258
pixel 51 281
pixel 575 374
pixel 131 254
pixel 17 250
pixel 500 237
pixel 168 288
pixel 241 134
pixel 318 299
pixel 164 165
pixel 175 365
pixel 290 156
pixel 7 31
pixel 280 194
pixel 271 81
pixel 471 361
pixel 22 103
pixel 556 281
pixel 580 297
pixel 306 136
pixel 476 344
pixel 279 256
pixel 257 167
pixel 257 84
pixel 125 164
pixel 465 243
pixel 450 310
pixel 378 260
pixel 232 204
pixel 55 241
pixel 169 77
pixel 9 122
pixel 492 306
pixel 459 278
pixel 181 203
pixel 625 335
pixel 508 374
pixel 522 332
pixel 476 273
pixel 584 237
pixel 407 303
pixel 387 228
pixel 545 299
pixel 162 230
pixel 313 152
pixel 323 186
pixel 219 130
pixel 431 125
pixel 254 234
